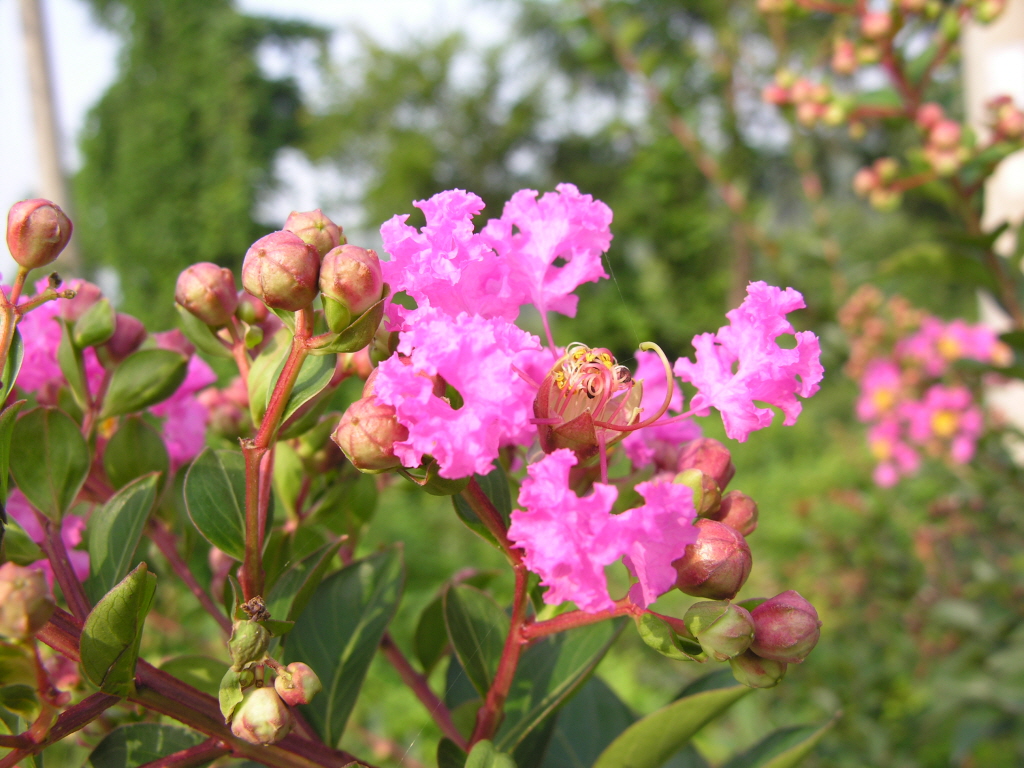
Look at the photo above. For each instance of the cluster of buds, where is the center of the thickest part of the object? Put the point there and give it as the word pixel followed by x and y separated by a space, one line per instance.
pixel 878 184
pixel 37 232
pixel 1007 119
pixel 812 102
pixel 944 147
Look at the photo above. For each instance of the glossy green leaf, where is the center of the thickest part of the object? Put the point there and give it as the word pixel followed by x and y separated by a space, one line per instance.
pixel 649 742
pixel 229 692
pixel 114 533
pixel 314 376
pixel 95 326
pixel 21 700
pixel 136 449
pixel 587 724
pixel 549 672
pixel 199 333
pixel 12 365
pixel 339 632
pixel 113 631
pixel 785 748
pixel 288 476
pixel 659 635
pixel 130 746
pixel 261 374
pixel 484 755
pixel 477 628
pixel 69 359
pixel 8 416
pixel 358 334
pixel 293 590
pixel 430 641
pixel 200 672
pixel 49 459
pixel 450 755
pixel 215 499
pixel 144 378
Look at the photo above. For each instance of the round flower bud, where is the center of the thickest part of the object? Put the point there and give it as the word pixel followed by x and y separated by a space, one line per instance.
pixel 875 25
pixel 928 114
pixel 37 231
pixel 710 457
pixel 25 601
pixel 208 292
pixel 315 229
pixel 723 629
pixel 129 333
pixel 716 565
pixel 738 511
pixel 297 684
pixel 945 134
pixel 261 718
pixel 248 643
pixel 351 282
pixel 753 671
pixel 786 628
pixel 706 495
pixel 865 181
pixel 86 294
pixel 367 435
pixel 282 271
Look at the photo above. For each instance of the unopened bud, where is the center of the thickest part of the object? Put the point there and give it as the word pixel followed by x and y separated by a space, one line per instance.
pixel 297 684
pixel 86 294
pixel 37 231
pixel 208 292
pixel 250 309
pixel 775 94
pixel 25 601
pixel 248 643
pixel 706 495
pixel 875 25
pixel 865 181
pixel 753 671
pixel 945 134
pixel 928 115
pixel 844 56
pixel 351 282
pixel 723 629
pixel 710 457
pixel 716 565
pixel 261 718
pixel 315 229
pixel 367 435
pixel 786 628
pixel 282 271
pixel 738 511
pixel 129 333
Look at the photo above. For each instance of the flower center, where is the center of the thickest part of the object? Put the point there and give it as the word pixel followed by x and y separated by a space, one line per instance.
pixel 945 423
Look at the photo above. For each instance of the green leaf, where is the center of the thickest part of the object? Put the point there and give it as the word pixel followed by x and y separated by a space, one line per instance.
pixel 7 419
pixel 95 326
pixel 477 628
pixel 885 97
pixel 431 637
pixel 215 499
pixel 144 378
pixel 450 755
pixel 586 725
pixel 113 631
pixel 130 746
pixel 229 693
pixel 69 359
pixel 21 700
pixel 136 449
pixel 277 628
pixel 358 334
pixel 114 533
pixel 200 672
pixel 659 635
pixel 495 485
pixel 199 333
pixel 484 755
pixel 260 374
pixel 549 672
pixel 18 547
pixel 314 376
pixel 293 590
pixel 785 748
pixel 12 365
pixel 52 460
pixel 288 476
pixel 339 633
pixel 651 741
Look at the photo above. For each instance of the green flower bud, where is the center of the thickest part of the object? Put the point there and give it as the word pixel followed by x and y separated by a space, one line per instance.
pixel 25 601
pixel 37 231
pixel 723 629
pixel 262 718
pixel 297 684
pixel 753 671
pixel 248 643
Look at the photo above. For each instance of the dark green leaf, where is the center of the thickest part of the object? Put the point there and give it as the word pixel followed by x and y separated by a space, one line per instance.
pixel 549 672
pixel 586 725
pixel 785 748
pixel 95 326
pixel 199 333
pixel 659 635
pixel 450 755
pixel 316 373
pixel 484 755
pixel 340 631
pixel 49 460
pixel 69 359
pixel 215 499
pixel 130 746
pixel 136 449
pixel 295 587
pixel 114 533
pixel 651 741
pixel 144 378
pixel 7 420
pixel 477 628
pixel 431 638
pixel 21 700
pixel 113 631
pixel 200 672
pixel 12 365
pixel 18 547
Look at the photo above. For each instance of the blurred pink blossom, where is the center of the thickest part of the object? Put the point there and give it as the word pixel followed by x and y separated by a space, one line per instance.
pixel 19 509
pixel 880 389
pixel 949 415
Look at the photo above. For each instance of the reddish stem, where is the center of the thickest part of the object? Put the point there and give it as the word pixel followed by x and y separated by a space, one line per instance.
pixel 200 754
pixel 53 546
pixel 70 720
pixel 239 352
pixel 572 619
pixel 490 517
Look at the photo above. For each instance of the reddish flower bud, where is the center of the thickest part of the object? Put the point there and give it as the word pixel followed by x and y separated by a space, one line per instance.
pixel 775 94
pixel 315 229
pixel 351 282
pixel 786 628
pixel 945 134
pixel 367 435
pixel 261 718
pixel 25 601
pixel 865 181
pixel 37 231
pixel 844 56
pixel 129 333
pixel 876 25
pixel 208 292
pixel 282 271
pixel 738 511
pixel 723 630
pixel 297 684
pixel 753 671
pixel 928 115
pixel 710 457
pixel 86 294
pixel 716 565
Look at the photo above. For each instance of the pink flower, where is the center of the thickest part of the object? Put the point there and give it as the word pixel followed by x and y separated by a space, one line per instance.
pixel 742 363
pixel 477 357
pixel 560 225
pixel 658 443
pixel 895 457
pixel 185 418
pixel 937 344
pixel 19 509
pixel 947 414
pixel 880 389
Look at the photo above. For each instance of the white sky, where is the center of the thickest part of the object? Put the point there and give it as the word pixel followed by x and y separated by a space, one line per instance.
pixel 83 57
